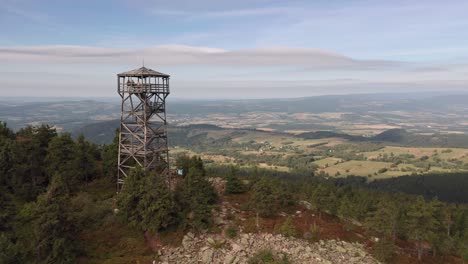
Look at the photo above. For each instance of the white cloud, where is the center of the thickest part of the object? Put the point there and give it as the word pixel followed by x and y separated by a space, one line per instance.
pixel 213 72
pixel 188 55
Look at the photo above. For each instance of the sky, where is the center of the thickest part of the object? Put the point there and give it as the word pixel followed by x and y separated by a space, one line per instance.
pixel 234 49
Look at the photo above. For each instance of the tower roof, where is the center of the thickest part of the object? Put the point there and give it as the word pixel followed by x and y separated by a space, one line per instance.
pixel 142 72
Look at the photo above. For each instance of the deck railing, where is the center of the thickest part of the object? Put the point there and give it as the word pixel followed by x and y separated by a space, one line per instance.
pixel 144 88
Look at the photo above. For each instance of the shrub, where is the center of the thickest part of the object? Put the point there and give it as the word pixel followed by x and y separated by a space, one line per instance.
pixel 382 170
pixel 215 244
pixel 231 231
pixel 383 250
pixel 288 228
pixel 267 256
pixel 314 230
pixel 234 185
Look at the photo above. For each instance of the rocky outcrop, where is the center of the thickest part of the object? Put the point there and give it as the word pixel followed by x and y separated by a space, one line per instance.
pixel 216 249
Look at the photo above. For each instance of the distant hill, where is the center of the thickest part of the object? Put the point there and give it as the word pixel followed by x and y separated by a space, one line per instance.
pixel 104 132
pixel 357 103
pixel 399 137
pixel 403 137
pixel 101 132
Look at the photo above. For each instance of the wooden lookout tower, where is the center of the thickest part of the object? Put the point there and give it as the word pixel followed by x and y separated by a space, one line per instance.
pixel 143 136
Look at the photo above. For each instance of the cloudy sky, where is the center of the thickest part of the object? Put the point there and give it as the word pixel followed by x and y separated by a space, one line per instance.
pixel 234 49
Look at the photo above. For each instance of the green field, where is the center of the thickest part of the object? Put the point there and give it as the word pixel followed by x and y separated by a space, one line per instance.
pixel 332 157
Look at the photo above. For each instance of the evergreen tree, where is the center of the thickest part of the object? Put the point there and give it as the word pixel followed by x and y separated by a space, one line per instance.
pixel 109 157
pixel 384 219
pixel 346 208
pixel 85 160
pixel 28 169
pixel 55 232
pixel 284 193
pixel 461 230
pixel 156 205
pixel 196 164
pixel 60 154
pixel 233 184
pixel 324 199
pixel 129 198
pixel 263 200
pixel 441 239
pixel 195 197
pixel 420 223
pixel 254 177
pixel 384 249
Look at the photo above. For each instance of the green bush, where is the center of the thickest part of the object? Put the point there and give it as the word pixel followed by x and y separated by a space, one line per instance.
pixel 267 256
pixel 231 231
pixel 383 250
pixel 382 170
pixel 234 185
pixel 287 228
pixel 314 230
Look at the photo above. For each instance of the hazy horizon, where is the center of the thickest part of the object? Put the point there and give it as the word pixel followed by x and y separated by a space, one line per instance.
pixel 117 98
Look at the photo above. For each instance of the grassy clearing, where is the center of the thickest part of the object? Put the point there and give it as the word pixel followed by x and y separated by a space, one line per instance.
pixel 357 168
pixel 272 167
pixel 443 153
pixel 327 162
pixel 263 149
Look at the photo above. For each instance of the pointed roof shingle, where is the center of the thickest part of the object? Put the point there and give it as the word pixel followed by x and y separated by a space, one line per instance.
pixel 142 72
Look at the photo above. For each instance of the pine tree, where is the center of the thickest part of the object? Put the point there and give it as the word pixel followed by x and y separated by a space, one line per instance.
pixel 196 164
pixel 384 249
pixel 195 197
pixel 84 160
pixel 384 219
pixel 263 199
pixel 233 184
pixel 61 159
pixel 146 202
pixel 441 240
pixel 156 205
pixel 285 194
pixel 28 169
pixel 129 197
pixel 324 199
pixel 420 222
pixel 55 232
pixel 109 157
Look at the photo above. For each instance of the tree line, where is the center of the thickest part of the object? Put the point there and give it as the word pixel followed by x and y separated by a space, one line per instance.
pixel 40 170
